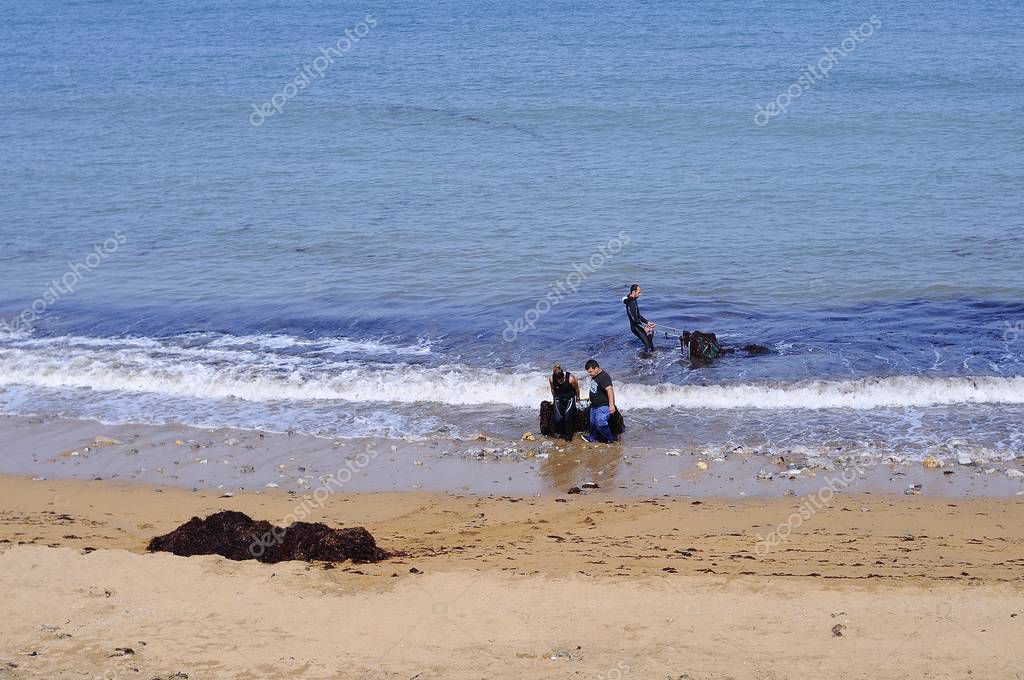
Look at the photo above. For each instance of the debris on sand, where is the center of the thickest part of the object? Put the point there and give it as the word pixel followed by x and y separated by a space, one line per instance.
pixel 237 536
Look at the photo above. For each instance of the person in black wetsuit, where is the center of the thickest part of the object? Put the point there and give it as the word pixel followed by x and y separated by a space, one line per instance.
pixel 565 394
pixel 641 327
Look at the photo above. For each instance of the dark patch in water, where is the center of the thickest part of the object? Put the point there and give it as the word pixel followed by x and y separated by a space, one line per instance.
pixel 402 108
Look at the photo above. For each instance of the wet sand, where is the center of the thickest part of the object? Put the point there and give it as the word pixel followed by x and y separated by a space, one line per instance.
pixel 242 460
pixel 587 585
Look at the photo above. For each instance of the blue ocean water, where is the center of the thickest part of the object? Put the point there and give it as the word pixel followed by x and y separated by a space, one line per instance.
pixel 351 264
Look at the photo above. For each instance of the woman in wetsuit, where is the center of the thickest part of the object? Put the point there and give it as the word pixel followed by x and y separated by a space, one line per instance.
pixel 641 327
pixel 565 394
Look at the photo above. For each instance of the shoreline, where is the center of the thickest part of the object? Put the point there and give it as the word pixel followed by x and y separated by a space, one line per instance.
pixel 542 587
pixel 39 505
pixel 250 460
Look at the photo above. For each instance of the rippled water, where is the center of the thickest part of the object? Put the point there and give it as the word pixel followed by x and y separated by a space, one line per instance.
pixel 350 266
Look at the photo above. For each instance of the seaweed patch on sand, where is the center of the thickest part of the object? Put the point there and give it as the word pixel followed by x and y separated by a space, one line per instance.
pixel 237 536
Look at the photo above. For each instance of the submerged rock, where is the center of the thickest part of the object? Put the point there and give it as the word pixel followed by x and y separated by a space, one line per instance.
pixel 237 536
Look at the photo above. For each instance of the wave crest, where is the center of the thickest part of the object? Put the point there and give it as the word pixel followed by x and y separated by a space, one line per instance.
pixel 243 372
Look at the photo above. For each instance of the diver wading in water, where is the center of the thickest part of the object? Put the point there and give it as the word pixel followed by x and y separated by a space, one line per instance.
pixel 640 326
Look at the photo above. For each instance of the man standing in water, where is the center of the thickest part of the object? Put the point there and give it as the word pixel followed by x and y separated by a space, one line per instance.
pixel 641 327
pixel 602 403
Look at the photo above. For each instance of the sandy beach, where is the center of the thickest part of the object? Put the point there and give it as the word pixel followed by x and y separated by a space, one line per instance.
pixel 313 315
pixel 592 585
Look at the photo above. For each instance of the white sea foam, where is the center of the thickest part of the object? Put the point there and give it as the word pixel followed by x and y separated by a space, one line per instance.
pixel 272 342
pixel 8 332
pixel 329 345
pixel 889 392
pixel 257 376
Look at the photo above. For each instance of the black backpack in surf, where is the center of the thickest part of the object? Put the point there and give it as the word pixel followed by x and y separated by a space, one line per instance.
pixel 702 347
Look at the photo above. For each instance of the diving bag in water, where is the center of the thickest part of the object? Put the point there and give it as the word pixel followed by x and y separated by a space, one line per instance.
pixel 547 419
pixel 582 418
pixel 616 424
pixel 703 347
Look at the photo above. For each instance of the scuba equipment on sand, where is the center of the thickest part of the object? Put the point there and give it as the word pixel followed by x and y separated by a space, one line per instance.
pixel 549 429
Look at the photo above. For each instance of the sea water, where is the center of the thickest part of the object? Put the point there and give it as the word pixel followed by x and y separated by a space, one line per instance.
pixel 391 219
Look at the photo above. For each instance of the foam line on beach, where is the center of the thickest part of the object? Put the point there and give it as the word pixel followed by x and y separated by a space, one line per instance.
pixel 209 374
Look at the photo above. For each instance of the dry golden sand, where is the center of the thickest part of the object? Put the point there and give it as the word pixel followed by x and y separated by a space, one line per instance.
pixel 612 587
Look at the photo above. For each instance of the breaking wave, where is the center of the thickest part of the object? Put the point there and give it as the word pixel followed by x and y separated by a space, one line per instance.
pixel 283 368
